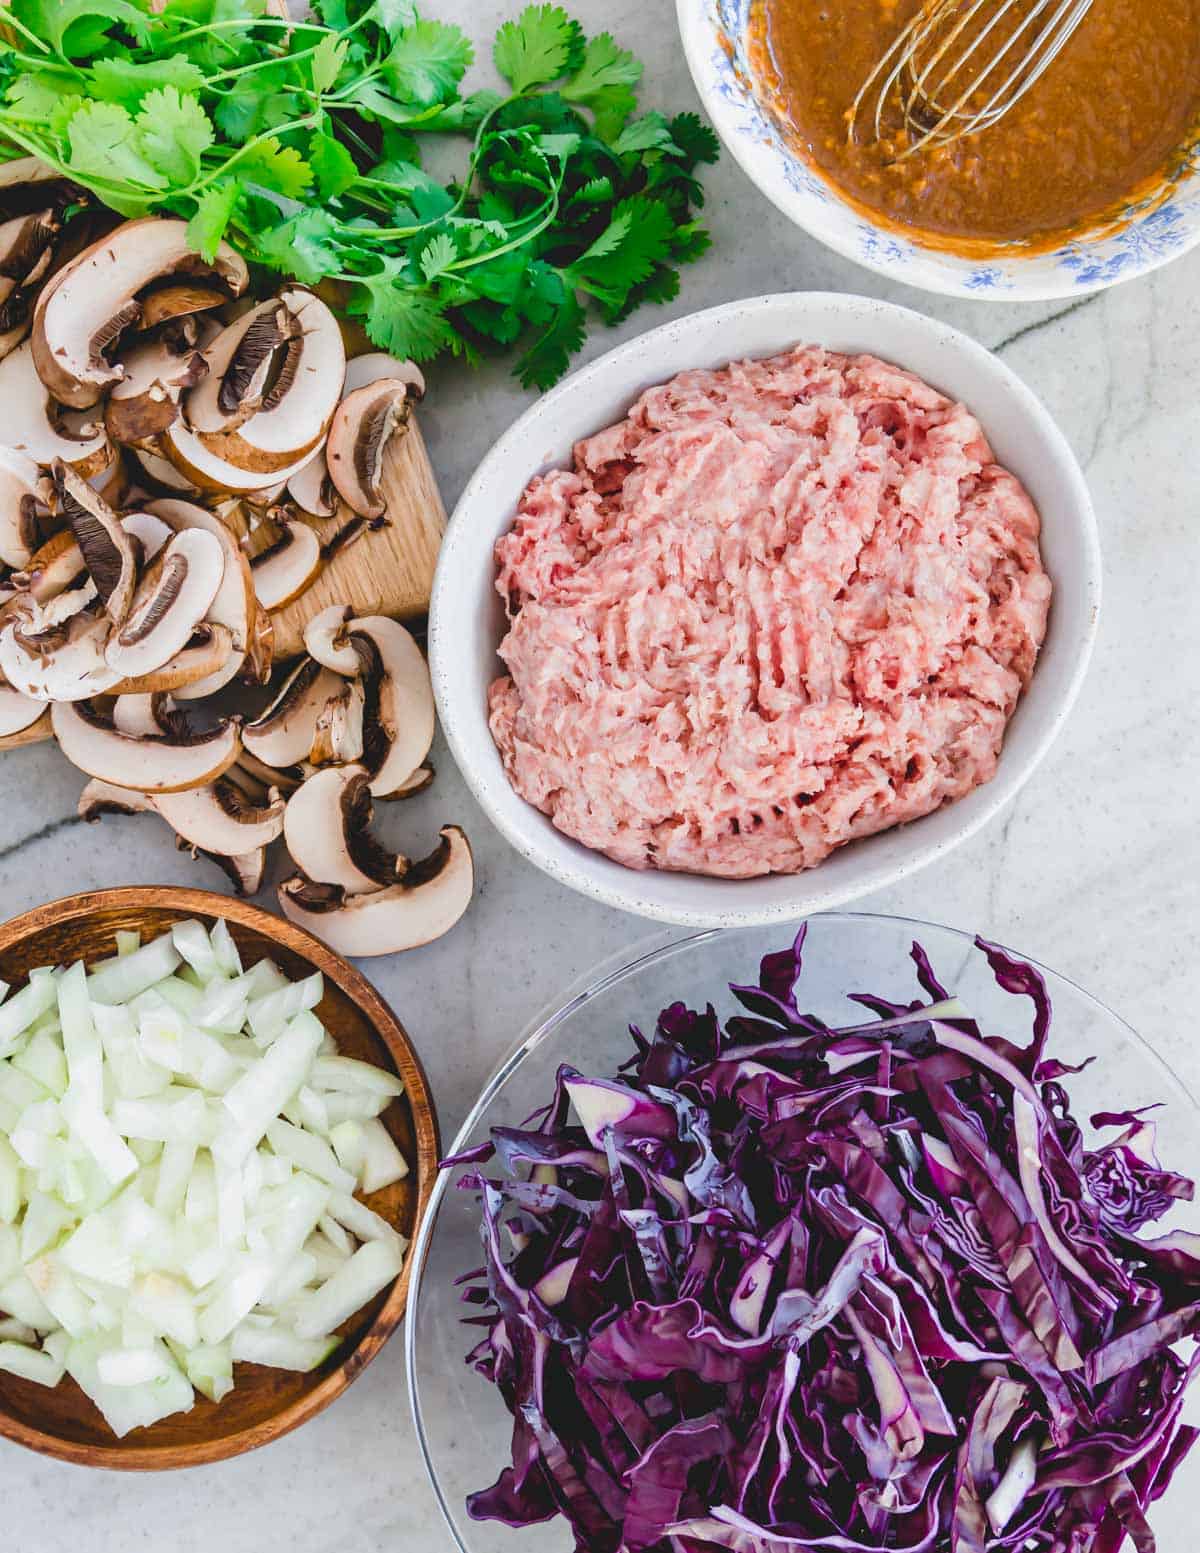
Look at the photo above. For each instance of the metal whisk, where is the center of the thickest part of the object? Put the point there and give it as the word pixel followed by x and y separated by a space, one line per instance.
pixel 961 65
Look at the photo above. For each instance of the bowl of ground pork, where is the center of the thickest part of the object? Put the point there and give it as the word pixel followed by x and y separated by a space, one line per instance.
pixel 765 610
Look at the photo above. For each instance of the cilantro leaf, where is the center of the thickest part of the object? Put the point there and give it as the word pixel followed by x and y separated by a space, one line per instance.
pixel 105 145
pixel 333 167
pixel 42 99
pixel 214 210
pixel 696 141
pixel 126 81
pixel 427 62
pixel 252 108
pixel 174 132
pixel 542 45
pixel 549 357
pixel 605 83
pixel 401 319
pixel 277 167
pixel 438 255
pixel 305 246
pixel 649 133
pixel 327 60
pixel 76 29
pixel 626 252
pixel 392 15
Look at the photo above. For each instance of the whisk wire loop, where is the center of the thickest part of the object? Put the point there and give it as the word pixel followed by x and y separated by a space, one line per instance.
pixel 962 48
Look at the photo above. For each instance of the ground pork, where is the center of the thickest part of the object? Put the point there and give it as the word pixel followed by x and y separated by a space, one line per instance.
pixel 780 606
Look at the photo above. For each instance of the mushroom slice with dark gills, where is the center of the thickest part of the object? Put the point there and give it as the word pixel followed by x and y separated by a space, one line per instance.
pixel 338 737
pixel 283 572
pixel 205 656
pixel 85 308
pixel 24 508
pixel 35 425
pixel 64 664
pixel 275 377
pixel 108 551
pixel 26 249
pixel 234 608
pixel 399 716
pixel 160 763
pixel 216 818
pixel 179 299
pixel 363 425
pixel 427 902
pixel 171 602
pixel 146 400
pixel 327 833
pixel 283 736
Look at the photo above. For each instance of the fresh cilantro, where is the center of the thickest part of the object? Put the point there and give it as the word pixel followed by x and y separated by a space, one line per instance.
pixel 334 169
pixel 174 133
pixel 303 145
pixel 541 46
pixel 214 211
pixel 427 62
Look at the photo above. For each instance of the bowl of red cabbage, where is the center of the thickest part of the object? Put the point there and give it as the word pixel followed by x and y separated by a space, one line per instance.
pixel 881 1240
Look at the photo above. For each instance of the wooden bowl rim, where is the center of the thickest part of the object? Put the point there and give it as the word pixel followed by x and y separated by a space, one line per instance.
pixel 208 903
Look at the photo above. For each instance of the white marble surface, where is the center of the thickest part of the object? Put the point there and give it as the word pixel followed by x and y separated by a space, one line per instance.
pixel 1095 869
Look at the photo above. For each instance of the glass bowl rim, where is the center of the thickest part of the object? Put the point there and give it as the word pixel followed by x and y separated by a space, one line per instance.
pixel 653 949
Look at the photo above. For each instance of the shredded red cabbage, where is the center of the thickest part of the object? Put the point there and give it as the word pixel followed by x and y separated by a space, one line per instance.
pixel 781 1288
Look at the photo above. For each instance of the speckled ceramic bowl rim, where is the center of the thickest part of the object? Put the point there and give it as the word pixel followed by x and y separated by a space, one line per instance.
pixel 474 524
pixel 1153 235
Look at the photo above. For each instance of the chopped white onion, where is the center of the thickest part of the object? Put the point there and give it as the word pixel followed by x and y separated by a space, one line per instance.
pixel 180 1144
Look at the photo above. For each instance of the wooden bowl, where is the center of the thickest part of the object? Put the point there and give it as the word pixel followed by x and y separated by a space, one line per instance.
pixel 265 1403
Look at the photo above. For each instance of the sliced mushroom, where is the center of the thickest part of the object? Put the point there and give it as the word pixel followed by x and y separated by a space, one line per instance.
pixel 13 336
pixel 53 567
pixel 170 604
pixel 374 365
pixel 260 659
pixel 283 735
pixel 326 639
pixel 246 873
pixel 204 658
pixel 112 482
pixel 180 299
pixel 34 426
pixel 399 719
pixel 142 716
pixel 421 778
pixel 327 834
pixel 23 508
pixel 107 550
pixel 430 899
pixel 338 738
pixel 250 769
pixel 283 572
pixel 149 530
pixel 312 490
pixel 146 400
pixel 234 608
pixel 84 309
pixel 65 664
pixel 101 798
pixel 363 425
pixel 26 248
pixel 218 818
pixel 36 733
pixel 161 471
pixel 20 180
pixel 17 712
pixel 162 763
pixel 208 471
pixel 284 362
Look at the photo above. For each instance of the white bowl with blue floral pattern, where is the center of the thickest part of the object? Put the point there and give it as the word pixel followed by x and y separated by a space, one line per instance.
pixel 715 39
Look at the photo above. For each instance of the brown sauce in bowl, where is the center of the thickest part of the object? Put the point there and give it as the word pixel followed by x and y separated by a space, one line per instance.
pixel 1109 122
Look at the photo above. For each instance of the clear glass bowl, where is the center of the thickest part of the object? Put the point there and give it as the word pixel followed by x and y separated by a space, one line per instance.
pixel 461 1422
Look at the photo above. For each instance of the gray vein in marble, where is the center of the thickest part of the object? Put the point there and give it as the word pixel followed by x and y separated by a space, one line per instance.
pixel 54 828
pixel 1028 331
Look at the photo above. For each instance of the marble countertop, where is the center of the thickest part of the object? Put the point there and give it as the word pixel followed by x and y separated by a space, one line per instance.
pixel 1095 869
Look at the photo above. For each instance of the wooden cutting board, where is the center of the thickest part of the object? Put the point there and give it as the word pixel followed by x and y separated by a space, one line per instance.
pixel 384 571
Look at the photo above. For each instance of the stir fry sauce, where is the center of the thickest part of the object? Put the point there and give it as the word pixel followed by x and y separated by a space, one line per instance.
pixel 1112 120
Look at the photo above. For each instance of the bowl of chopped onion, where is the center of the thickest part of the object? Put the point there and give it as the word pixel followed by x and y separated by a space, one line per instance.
pixel 216 1142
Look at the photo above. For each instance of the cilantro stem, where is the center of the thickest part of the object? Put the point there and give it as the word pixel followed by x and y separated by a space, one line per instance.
pixel 19 26
pixel 253 144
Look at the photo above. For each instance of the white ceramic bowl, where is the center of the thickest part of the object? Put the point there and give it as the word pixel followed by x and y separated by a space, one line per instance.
pixel 714 39
pixel 467 620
